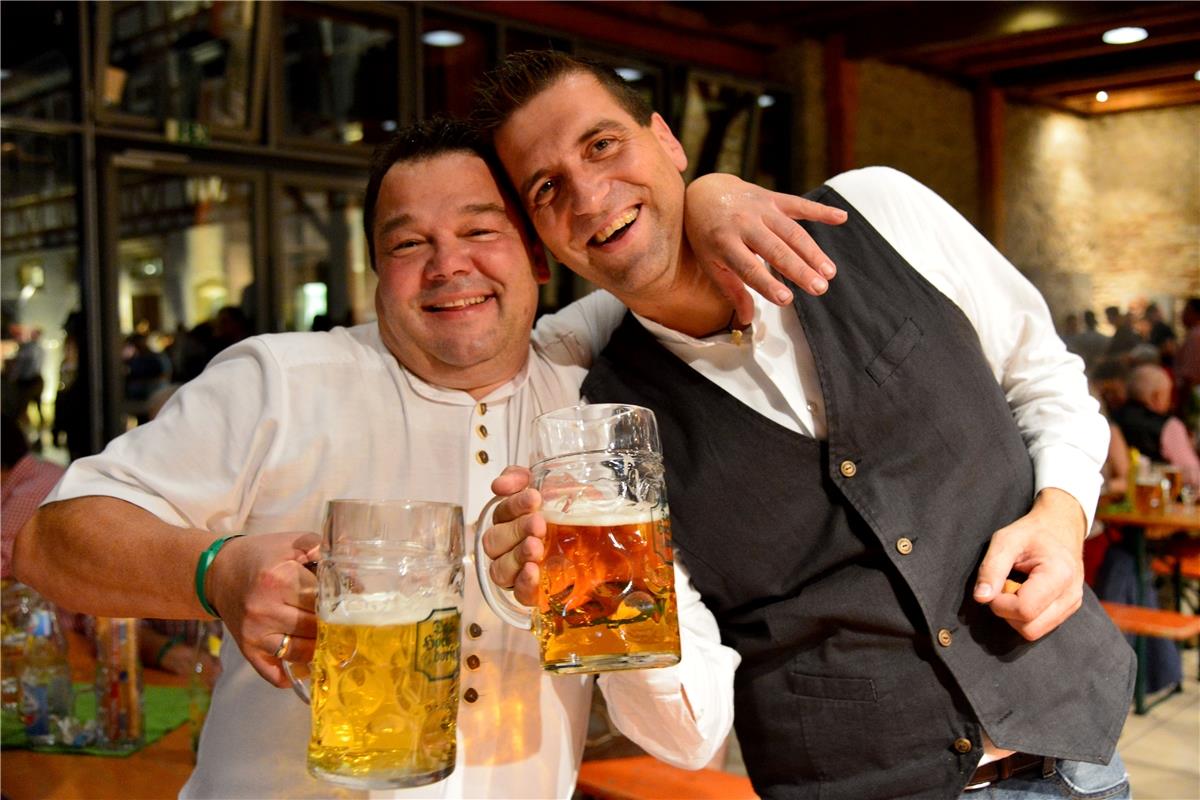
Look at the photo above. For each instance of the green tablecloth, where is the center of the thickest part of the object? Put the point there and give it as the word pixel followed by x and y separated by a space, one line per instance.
pixel 166 708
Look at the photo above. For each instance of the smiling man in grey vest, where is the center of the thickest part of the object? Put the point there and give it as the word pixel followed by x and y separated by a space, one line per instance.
pixel 853 478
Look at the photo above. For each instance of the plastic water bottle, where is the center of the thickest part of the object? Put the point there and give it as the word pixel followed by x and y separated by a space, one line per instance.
pixel 119 711
pixel 14 630
pixel 47 697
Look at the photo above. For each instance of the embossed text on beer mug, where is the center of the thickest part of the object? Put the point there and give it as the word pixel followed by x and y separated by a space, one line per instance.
pixel 607 594
pixel 386 667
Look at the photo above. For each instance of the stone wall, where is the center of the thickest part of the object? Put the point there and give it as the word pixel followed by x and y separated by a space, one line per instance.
pixel 1098 211
pixel 920 125
pixel 1105 210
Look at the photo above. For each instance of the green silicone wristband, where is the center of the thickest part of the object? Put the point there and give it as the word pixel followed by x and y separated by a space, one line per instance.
pixel 206 559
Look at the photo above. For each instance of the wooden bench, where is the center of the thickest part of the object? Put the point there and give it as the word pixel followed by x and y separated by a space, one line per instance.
pixel 1153 621
pixel 647 778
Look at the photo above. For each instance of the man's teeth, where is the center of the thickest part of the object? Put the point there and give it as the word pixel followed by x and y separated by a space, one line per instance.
pixel 466 301
pixel 616 225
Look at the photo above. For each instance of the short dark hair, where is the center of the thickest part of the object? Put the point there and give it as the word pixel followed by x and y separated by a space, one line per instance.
pixel 417 142
pixel 522 76
pixel 1192 305
pixel 1089 318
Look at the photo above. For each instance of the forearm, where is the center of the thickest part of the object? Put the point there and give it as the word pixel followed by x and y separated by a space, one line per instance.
pixel 679 714
pixel 110 558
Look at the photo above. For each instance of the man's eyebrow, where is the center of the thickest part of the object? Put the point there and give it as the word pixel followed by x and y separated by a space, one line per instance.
pixel 483 208
pixel 398 221
pixel 600 125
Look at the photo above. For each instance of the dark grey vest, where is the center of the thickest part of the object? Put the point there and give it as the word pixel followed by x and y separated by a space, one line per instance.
pixel 844 689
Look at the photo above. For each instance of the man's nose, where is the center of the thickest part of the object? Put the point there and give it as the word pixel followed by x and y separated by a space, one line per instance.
pixel 448 260
pixel 588 193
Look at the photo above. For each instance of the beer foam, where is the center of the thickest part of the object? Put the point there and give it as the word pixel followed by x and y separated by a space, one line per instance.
pixel 584 512
pixel 388 608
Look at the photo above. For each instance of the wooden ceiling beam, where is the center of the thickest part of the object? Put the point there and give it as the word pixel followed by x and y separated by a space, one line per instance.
pixel 1032 57
pixel 1123 80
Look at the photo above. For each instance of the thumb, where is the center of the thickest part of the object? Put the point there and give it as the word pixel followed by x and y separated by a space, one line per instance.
pixel 512 480
pixel 997 563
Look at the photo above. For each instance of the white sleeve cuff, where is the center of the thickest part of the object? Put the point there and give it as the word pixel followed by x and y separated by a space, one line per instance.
pixel 1074 472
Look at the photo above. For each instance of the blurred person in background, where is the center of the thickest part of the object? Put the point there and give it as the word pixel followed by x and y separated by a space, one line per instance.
pixel 1111 381
pixel 1124 337
pixel 1160 335
pixel 1187 365
pixel 1090 343
pixel 1148 425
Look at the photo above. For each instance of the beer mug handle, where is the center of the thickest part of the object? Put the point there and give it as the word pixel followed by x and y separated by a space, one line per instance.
pixel 514 614
pixel 297 685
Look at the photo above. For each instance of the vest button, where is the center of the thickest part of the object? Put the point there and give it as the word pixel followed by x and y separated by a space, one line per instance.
pixel 474 631
pixel 472 661
pixel 482 431
pixel 470 695
pixel 963 745
pixel 482 409
pixel 848 468
pixel 481 457
pixel 944 637
pixel 904 545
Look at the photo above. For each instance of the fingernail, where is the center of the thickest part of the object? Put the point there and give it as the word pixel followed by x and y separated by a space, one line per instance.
pixel 820 285
pixel 783 296
pixel 828 269
pixel 983 590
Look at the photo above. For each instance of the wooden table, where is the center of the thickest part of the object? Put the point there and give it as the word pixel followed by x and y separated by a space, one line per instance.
pixel 1140 527
pixel 157 771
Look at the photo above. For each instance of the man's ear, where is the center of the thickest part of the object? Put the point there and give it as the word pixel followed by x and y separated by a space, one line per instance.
pixel 541 267
pixel 662 132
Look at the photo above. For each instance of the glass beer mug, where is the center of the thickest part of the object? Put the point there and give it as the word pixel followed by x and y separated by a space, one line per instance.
pixel 385 672
pixel 607 594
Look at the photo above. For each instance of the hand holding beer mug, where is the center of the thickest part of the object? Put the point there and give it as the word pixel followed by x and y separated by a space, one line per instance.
pixel 385 671
pixel 606 600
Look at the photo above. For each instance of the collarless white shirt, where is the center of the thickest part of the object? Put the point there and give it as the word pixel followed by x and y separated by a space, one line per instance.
pixel 280 424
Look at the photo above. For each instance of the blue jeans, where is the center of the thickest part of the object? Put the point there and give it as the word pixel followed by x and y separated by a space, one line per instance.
pixel 1076 780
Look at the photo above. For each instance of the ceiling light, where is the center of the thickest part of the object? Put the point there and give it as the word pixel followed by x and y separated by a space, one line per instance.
pixel 443 38
pixel 1197 75
pixel 388 125
pixel 1101 96
pixel 630 74
pixel 765 101
pixel 1124 35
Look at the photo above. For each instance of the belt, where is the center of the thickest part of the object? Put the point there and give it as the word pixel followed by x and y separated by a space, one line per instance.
pixel 1008 767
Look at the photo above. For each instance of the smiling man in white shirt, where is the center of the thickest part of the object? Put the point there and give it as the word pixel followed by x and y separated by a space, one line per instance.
pixel 852 480
pixel 428 404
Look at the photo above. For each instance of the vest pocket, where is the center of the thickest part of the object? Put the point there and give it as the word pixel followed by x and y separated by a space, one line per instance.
pixel 895 351
pixel 854 690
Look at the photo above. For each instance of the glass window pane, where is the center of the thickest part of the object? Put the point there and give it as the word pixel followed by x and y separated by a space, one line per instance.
pixel 773 167
pixel 339 76
pixel 455 53
pixel 327 276
pixel 45 379
pixel 182 60
pixel 185 281
pixel 39 60
pixel 716 126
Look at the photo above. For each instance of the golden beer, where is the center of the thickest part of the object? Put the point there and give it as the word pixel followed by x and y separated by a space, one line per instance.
pixel 385 699
pixel 607 598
